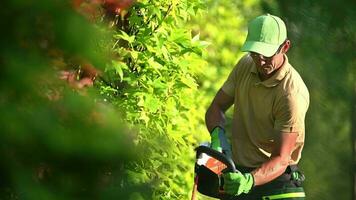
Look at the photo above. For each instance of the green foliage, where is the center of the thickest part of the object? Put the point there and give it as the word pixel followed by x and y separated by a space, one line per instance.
pixel 55 143
pixel 152 81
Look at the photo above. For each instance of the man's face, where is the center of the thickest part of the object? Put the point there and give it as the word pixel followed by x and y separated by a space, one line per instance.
pixel 267 65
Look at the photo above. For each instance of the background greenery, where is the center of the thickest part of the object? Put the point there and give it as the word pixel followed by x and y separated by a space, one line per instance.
pixel 132 135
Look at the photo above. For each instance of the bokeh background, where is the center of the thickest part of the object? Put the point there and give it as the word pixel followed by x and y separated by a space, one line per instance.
pixel 106 99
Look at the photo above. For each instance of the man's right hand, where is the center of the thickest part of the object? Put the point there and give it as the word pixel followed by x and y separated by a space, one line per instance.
pixel 219 141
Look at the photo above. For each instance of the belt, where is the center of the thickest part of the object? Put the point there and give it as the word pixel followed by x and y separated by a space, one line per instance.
pixel 285 194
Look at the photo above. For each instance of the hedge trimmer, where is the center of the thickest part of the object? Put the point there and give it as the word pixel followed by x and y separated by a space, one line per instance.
pixel 209 167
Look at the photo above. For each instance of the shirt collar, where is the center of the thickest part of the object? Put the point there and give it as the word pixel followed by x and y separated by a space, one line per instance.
pixel 277 77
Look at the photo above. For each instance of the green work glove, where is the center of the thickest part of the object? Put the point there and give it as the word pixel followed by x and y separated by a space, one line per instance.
pixel 219 141
pixel 236 183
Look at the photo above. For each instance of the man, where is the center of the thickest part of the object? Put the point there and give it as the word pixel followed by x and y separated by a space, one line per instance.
pixel 270 102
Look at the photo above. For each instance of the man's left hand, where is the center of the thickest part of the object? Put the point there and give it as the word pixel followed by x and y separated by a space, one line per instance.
pixel 236 183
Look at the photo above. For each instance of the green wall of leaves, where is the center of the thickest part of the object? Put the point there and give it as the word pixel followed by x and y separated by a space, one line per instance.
pixel 132 135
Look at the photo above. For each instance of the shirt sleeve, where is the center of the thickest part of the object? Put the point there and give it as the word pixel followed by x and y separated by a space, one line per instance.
pixel 229 87
pixel 230 84
pixel 290 113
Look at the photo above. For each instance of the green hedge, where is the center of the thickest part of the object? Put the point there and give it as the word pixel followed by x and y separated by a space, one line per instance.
pixel 152 81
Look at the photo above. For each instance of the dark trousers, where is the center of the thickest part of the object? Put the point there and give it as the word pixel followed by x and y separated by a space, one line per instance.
pixel 287 186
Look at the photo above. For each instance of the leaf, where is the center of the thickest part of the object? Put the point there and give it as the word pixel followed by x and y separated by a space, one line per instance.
pixel 155 65
pixel 144 117
pixel 196 37
pixel 158 13
pixel 125 36
pixel 151 103
pixel 180 37
pixel 189 81
pixel 158 84
pixel 134 54
pixel 199 43
pixel 119 66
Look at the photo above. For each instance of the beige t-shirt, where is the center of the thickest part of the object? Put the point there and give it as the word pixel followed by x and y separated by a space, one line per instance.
pixel 263 110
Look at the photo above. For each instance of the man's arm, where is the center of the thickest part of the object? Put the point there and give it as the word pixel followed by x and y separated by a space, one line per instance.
pixel 279 159
pixel 215 115
pixel 237 182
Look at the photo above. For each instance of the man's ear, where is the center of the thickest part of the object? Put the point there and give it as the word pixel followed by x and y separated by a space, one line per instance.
pixel 286 46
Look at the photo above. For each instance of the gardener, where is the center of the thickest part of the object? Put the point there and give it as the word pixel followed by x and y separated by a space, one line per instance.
pixel 270 102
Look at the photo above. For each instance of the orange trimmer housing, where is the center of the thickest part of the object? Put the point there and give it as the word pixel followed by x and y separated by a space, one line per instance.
pixel 209 167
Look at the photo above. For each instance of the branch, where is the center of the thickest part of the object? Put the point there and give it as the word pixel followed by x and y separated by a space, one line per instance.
pixel 165 16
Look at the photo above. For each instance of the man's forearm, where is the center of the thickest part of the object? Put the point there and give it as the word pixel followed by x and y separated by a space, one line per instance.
pixel 270 170
pixel 279 160
pixel 215 114
pixel 214 117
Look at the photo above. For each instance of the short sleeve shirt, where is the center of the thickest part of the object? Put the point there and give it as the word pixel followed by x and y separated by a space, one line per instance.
pixel 265 109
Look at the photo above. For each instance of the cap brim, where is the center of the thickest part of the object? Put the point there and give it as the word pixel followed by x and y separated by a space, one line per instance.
pixel 260 47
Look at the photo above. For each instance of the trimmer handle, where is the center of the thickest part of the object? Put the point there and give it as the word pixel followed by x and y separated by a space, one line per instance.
pixel 230 166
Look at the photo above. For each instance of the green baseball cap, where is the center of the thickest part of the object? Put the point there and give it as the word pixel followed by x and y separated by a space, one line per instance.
pixel 265 34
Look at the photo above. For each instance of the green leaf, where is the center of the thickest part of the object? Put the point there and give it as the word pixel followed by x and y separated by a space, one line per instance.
pixel 155 65
pixel 151 103
pixel 125 36
pixel 189 81
pixel 196 37
pixel 119 66
pixel 134 54
pixel 158 84
pixel 158 13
